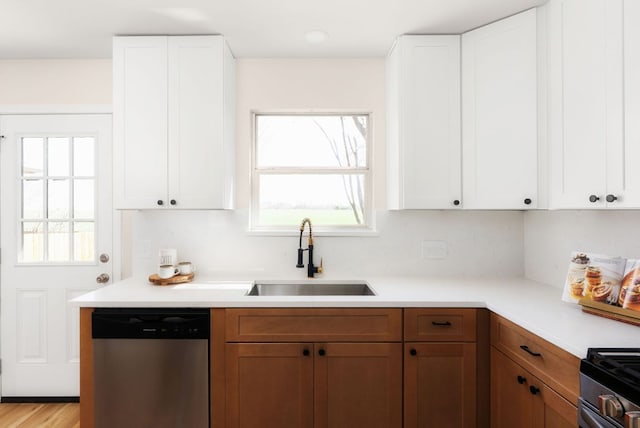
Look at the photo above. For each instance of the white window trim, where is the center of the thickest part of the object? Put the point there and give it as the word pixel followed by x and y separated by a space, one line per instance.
pixel 368 229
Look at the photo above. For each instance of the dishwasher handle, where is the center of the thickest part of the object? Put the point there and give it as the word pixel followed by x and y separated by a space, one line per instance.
pixel 146 323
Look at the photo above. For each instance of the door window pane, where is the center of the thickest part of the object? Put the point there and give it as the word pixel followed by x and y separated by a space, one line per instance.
pixel 58 157
pixel 32 242
pixel 32 157
pixel 83 156
pixel 32 199
pixel 58 240
pixel 58 196
pixel 83 199
pixel 83 241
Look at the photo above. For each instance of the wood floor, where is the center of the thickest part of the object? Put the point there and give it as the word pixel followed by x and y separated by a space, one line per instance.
pixel 26 415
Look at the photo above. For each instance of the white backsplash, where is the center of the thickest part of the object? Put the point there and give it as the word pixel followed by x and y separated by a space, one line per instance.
pixel 550 236
pixel 409 243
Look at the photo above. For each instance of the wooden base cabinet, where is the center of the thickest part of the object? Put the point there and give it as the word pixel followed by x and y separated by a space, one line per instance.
pixel 440 384
pixel 320 368
pixel 317 385
pixel 519 399
pixel 445 368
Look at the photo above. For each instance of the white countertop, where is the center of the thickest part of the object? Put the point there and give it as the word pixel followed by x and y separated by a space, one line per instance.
pixel 534 306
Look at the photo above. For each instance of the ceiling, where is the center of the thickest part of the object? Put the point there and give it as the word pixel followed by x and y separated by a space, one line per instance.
pixel 253 28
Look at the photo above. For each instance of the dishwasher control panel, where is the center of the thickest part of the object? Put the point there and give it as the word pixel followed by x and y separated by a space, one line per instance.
pixel 150 323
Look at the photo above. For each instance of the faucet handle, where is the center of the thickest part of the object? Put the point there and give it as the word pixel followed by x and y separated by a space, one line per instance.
pixel 320 267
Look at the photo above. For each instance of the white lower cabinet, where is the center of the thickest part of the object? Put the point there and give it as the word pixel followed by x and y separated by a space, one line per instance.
pixel 499 114
pixel 173 122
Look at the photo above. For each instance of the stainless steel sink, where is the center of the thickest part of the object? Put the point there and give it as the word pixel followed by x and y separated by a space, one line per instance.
pixel 334 288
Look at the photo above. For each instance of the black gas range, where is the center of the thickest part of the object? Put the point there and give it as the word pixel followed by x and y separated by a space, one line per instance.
pixel 610 388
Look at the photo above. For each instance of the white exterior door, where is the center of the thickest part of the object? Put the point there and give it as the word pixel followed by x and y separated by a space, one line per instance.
pixel 56 239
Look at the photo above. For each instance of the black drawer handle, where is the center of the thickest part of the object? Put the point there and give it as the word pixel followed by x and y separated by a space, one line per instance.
pixel 305 352
pixel 521 379
pixel 441 324
pixel 534 389
pixel 526 349
pixel 321 352
pixel 413 352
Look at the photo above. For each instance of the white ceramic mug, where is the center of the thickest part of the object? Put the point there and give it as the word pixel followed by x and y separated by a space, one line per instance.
pixel 186 268
pixel 168 271
pixel 168 256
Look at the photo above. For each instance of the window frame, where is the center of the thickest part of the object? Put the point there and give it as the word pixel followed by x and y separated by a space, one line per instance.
pixel 368 226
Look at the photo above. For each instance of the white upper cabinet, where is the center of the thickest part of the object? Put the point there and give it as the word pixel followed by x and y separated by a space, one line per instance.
pixel 499 114
pixel 423 123
pixel 594 93
pixel 173 122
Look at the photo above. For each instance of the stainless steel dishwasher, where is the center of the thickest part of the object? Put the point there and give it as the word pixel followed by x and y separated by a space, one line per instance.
pixel 151 367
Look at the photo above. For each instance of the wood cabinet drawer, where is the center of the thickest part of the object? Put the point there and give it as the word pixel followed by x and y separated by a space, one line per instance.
pixel 313 325
pixel 554 366
pixel 440 325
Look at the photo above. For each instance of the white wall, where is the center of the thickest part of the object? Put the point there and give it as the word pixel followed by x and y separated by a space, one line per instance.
pixel 55 82
pixel 550 236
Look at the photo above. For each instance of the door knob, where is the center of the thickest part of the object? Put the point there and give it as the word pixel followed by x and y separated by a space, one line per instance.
pixel 611 198
pixel 103 278
pixel 104 258
pixel 593 198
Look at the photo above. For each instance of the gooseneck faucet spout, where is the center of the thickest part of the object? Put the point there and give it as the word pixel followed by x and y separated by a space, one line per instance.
pixel 311 268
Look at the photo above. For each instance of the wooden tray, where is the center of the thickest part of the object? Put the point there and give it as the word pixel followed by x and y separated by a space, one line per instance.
pixel 178 279
pixel 609 311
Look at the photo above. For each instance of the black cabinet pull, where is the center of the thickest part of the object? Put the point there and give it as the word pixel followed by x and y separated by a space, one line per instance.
pixel 593 198
pixel 526 349
pixel 534 389
pixel 527 201
pixel 160 202
pixel 172 202
pixel 611 198
pixel 305 352
pixel 321 352
pixel 521 379
pixel 441 323
pixel 413 352
pixel 456 202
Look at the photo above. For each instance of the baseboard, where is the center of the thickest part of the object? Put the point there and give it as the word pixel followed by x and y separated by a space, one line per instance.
pixel 40 400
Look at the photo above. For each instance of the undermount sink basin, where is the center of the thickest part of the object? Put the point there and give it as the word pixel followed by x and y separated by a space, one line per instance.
pixel 334 288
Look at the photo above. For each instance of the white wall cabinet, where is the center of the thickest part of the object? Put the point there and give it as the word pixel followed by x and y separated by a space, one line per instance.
pixel 423 123
pixel 173 122
pixel 594 67
pixel 499 114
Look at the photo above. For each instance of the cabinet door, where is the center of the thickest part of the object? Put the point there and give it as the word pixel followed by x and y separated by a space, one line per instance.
pixel 626 185
pixel 499 114
pixel 269 385
pixel 140 121
pixel 423 104
pixel 196 129
pixel 511 402
pixel 440 385
pixel 358 385
pixel 585 116
pixel 553 411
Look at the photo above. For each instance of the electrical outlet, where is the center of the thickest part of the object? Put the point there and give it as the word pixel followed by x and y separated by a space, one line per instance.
pixel 434 250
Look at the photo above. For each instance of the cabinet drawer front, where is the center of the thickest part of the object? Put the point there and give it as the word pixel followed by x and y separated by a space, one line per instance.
pixel 554 366
pixel 311 325
pixel 441 325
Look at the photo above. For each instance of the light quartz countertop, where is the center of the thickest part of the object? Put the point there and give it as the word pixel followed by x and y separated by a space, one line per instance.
pixel 534 306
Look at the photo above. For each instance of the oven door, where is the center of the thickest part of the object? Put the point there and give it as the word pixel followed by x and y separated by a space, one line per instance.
pixel 589 417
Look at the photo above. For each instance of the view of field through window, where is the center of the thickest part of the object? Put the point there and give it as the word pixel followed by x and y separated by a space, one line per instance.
pixel 312 166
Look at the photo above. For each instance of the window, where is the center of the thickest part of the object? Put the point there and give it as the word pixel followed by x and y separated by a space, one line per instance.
pixel 57 188
pixel 311 165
